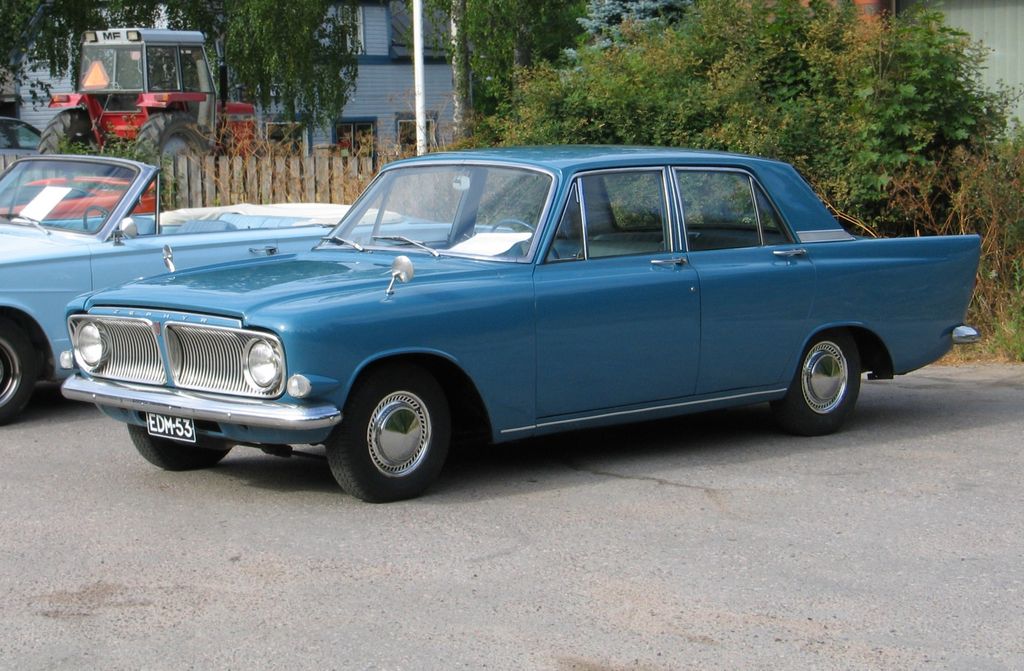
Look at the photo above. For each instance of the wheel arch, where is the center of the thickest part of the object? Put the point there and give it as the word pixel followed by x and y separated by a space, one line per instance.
pixel 36 335
pixel 470 419
pixel 874 355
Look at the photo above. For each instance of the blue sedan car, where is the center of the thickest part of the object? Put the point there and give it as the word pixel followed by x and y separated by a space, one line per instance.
pixel 510 293
pixel 72 224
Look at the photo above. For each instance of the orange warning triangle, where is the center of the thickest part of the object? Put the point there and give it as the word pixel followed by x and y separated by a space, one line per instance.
pixel 96 77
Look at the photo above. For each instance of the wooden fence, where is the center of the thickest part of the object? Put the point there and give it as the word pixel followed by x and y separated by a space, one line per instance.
pixel 209 181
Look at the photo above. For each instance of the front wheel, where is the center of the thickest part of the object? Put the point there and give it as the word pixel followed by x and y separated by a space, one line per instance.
pixel 824 389
pixel 170 134
pixel 394 437
pixel 174 456
pixel 19 370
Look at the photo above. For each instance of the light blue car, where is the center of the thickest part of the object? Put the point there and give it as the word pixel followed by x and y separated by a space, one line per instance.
pixel 502 294
pixel 70 225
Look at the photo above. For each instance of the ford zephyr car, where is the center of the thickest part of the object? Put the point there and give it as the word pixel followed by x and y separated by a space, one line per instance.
pixel 509 293
pixel 72 224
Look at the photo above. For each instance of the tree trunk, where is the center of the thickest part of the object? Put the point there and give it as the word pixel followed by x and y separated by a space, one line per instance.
pixel 461 105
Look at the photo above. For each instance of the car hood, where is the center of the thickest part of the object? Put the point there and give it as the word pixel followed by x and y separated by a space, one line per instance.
pixel 240 289
pixel 21 243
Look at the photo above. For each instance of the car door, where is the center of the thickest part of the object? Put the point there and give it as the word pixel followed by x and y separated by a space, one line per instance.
pixel 618 312
pixel 756 285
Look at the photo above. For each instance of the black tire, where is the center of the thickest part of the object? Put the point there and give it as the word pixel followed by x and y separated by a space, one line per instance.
pixel 170 134
pixel 72 125
pixel 824 389
pixel 173 456
pixel 394 437
pixel 19 370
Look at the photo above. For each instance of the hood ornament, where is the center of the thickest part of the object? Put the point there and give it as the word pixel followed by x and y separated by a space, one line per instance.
pixel 401 270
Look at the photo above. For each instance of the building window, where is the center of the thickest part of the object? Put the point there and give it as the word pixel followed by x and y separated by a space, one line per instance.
pixel 406 132
pixel 356 138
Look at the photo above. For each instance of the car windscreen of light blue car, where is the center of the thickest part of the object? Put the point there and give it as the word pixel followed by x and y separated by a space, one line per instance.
pixel 74 197
pixel 472 210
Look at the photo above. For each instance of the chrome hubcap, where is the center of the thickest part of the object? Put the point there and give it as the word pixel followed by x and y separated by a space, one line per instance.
pixel 824 377
pixel 8 374
pixel 398 434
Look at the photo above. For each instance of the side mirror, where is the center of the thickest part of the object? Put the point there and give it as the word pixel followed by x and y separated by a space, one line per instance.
pixel 402 270
pixel 129 228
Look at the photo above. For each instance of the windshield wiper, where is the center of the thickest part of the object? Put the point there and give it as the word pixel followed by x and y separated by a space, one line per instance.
pixel 337 240
pixel 408 241
pixel 22 219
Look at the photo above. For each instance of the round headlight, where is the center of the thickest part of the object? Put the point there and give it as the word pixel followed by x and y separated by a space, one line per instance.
pixel 91 345
pixel 264 363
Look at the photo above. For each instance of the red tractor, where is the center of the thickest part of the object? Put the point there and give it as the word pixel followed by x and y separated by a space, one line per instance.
pixel 153 87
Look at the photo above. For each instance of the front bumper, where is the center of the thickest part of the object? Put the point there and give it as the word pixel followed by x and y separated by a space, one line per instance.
pixel 254 413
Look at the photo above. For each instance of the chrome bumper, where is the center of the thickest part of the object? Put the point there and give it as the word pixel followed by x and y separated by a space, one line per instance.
pixel 184 404
pixel 965 335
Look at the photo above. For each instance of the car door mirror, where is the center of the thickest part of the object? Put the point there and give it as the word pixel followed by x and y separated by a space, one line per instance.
pixel 129 228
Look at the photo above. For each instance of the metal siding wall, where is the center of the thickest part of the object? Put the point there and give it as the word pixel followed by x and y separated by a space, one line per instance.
pixel 998 24
pixel 38 114
pixel 375 30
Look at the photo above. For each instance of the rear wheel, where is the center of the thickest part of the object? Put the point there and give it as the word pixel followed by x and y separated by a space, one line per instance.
pixel 19 370
pixel 394 437
pixel 170 134
pixel 70 126
pixel 173 456
pixel 824 389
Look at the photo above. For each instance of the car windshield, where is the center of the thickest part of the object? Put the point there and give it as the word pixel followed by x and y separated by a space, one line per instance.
pixel 472 210
pixel 16 134
pixel 75 196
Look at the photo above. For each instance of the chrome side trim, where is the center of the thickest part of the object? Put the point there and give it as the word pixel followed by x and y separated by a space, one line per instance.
pixel 965 335
pixel 828 235
pixel 639 411
pixel 183 404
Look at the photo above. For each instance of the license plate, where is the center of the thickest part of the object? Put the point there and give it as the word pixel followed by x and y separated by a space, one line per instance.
pixel 176 428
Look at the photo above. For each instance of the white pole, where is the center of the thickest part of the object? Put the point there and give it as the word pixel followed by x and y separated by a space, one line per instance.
pixel 417 69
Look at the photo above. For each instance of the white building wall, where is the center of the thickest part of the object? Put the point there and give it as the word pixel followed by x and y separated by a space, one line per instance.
pixel 37 112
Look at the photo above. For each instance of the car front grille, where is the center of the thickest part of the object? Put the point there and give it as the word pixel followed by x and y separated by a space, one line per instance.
pixel 134 355
pixel 201 357
pixel 210 358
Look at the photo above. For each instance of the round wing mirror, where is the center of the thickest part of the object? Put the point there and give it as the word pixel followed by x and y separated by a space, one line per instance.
pixel 129 228
pixel 402 270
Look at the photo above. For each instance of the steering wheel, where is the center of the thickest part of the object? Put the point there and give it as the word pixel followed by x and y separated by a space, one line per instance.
pixel 512 224
pixel 104 212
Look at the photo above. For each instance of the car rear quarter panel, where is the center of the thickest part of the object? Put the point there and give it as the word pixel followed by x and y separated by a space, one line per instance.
pixel 911 292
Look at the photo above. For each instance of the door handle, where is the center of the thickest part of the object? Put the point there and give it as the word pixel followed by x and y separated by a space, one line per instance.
pixel 269 250
pixel 789 253
pixel 677 261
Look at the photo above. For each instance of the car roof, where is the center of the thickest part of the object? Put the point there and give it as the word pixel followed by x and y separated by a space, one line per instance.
pixel 571 158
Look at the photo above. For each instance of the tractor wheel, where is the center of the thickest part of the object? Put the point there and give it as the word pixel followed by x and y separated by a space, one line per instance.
pixel 71 126
pixel 170 134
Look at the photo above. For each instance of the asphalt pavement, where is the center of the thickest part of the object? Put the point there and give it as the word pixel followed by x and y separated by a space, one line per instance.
pixel 705 542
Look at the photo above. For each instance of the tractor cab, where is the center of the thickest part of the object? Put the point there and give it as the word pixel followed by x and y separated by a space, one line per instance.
pixel 128 70
pixel 144 85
